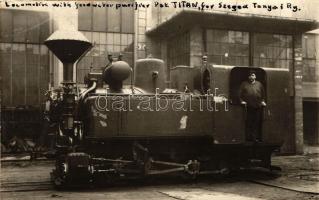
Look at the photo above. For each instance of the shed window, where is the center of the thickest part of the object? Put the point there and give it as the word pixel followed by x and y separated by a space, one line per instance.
pixel 310 61
pixel 225 47
pixel 273 50
pixel 24 59
pixel 105 19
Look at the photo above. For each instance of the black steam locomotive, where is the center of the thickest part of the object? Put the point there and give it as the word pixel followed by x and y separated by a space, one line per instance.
pixel 196 126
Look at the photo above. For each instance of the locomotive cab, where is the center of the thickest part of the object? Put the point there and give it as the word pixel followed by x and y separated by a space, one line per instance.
pixel 227 80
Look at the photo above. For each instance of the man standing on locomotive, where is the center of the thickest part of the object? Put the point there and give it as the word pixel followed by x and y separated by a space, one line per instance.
pixel 252 96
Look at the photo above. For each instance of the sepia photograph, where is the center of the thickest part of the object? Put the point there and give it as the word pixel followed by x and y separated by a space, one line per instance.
pixel 159 99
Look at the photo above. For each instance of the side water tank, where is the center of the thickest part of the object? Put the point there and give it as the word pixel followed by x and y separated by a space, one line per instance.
pixel 149 74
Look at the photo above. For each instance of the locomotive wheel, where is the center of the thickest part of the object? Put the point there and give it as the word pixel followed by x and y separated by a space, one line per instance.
pixel 71 170
pixel 58 174
pixel 58 182
pixel 224 167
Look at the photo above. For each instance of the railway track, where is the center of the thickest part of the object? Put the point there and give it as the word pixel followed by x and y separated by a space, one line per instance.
pixel 26 186
pixel 282 187
pixel 40 182
pixel 48 186
pixel 22 157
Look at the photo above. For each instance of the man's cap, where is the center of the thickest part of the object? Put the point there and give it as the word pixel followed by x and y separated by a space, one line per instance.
pixel 251 72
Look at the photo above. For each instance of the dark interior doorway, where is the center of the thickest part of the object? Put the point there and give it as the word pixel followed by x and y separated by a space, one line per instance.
pixel 311 122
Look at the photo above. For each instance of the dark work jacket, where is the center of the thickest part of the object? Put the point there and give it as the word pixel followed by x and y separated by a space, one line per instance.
pixel 252 93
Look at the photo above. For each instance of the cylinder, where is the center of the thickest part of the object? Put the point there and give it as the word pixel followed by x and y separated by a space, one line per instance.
pixel 149 74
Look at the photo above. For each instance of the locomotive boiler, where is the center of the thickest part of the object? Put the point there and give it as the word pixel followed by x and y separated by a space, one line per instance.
pixel 194 126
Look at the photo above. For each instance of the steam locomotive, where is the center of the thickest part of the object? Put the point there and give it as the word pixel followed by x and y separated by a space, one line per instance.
pixel 196 126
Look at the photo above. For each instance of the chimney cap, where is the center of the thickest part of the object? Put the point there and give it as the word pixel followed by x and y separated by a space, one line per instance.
pixel 66 34
pixel 68 45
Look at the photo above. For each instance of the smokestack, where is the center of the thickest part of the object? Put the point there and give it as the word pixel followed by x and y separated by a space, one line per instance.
pixel 68 46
